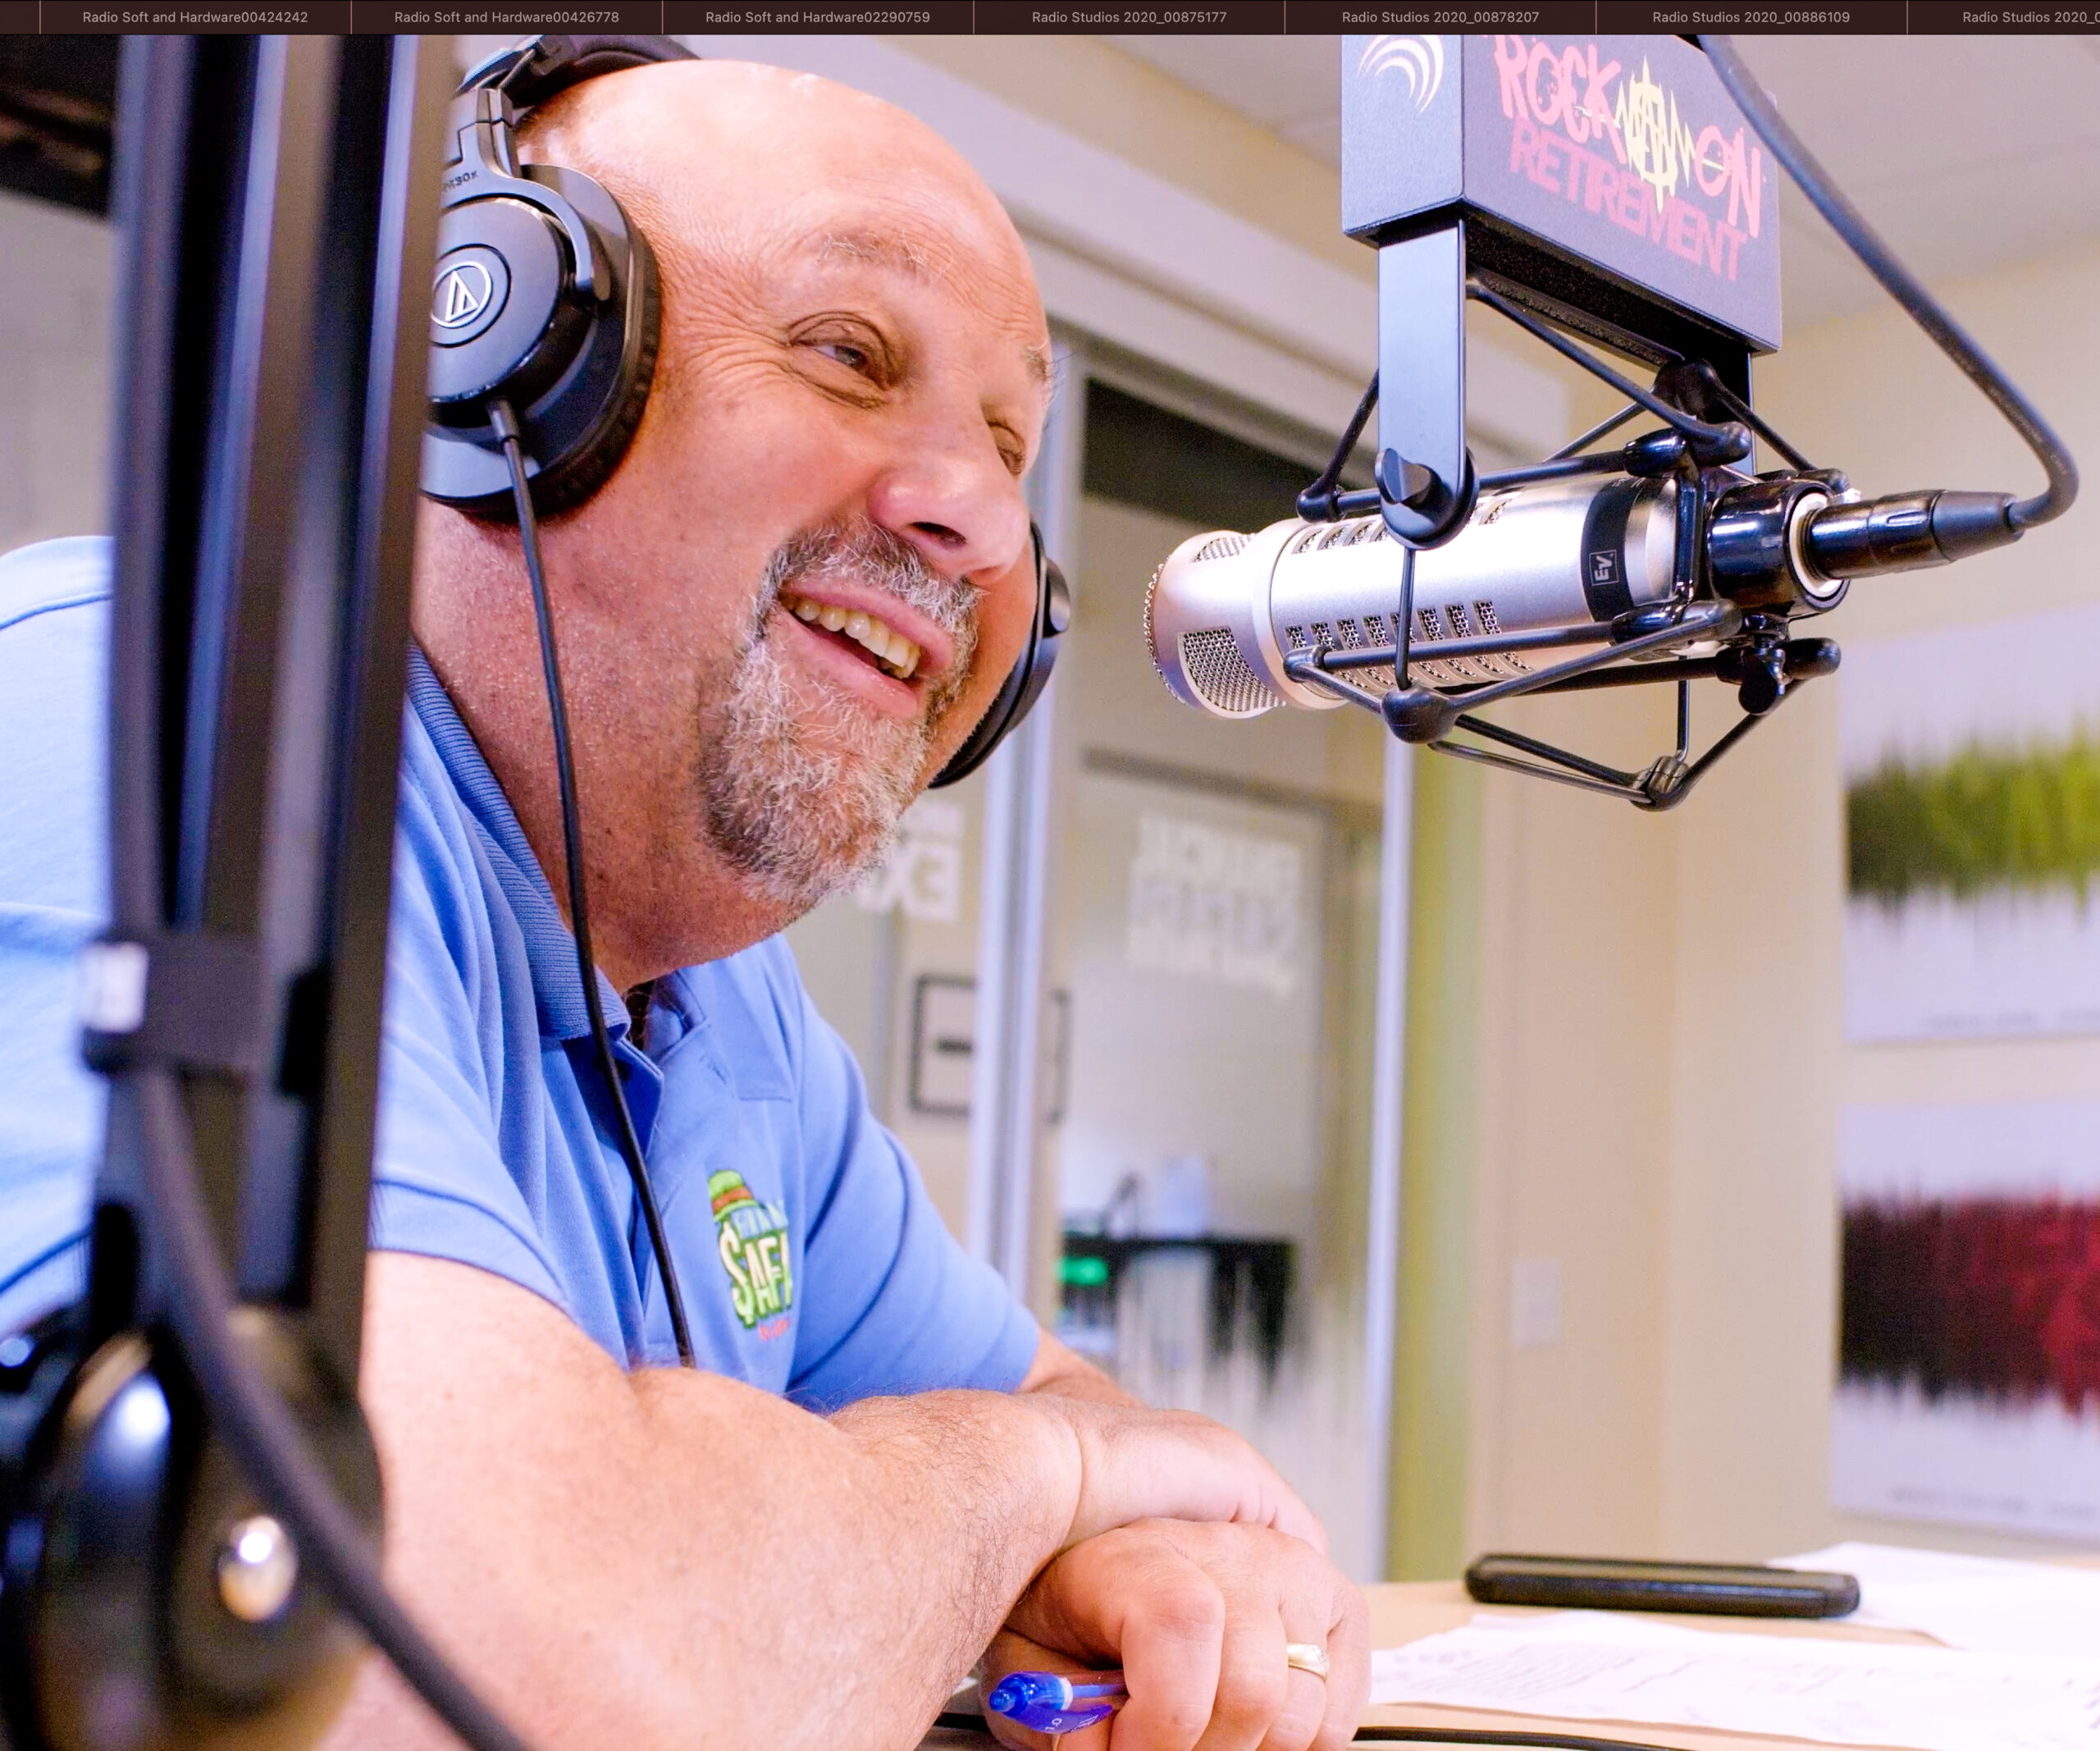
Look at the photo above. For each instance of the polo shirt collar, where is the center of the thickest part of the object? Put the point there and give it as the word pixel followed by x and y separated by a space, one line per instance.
pixel 550 946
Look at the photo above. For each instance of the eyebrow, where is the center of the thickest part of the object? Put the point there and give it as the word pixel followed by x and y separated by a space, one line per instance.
pixel 879 249
pixel 891 250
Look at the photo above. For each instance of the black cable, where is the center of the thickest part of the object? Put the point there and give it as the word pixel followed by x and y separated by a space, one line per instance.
pixel 257 1425
pixel 1316 503
pixel 1904 286
pixel 506 423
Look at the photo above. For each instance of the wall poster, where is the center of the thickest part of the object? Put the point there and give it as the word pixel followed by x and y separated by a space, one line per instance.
pixel 1972 759
pixel 1969 1348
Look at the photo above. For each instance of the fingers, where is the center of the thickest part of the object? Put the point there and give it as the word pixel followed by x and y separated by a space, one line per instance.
pixel 1174 1647
pixel 1012 1652
pixel 1346 1691
pixel 1260 1702
pixel 1198 1616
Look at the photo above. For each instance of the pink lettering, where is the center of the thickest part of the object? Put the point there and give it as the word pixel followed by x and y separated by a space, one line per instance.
pixel 1636 205
pixel 1709 151
pixel 1546 108
pixel 1524 148
pixel 1597 105
pixel 1601 192
pixel 1546 166
pixel 1746 179
pixel 1735 242
pixel 1685 227
pixel 1510 57
pixel 1572 115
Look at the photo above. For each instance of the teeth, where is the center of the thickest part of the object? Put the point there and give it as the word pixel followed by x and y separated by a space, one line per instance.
pixel 895 652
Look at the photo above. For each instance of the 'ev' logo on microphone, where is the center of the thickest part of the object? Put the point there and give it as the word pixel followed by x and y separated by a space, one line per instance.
pixel 1604 566
pixel 462 294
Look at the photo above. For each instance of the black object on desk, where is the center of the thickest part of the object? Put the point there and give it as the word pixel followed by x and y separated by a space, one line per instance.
pixel 1608 1583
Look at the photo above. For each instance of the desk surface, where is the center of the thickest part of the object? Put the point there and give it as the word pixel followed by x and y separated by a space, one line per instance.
pixel 1407 1612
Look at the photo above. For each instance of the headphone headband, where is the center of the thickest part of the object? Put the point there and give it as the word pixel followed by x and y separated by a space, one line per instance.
pixel 533 71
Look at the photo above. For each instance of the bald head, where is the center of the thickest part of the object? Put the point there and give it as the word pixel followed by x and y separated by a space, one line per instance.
pixel 811 571
pixel 729 164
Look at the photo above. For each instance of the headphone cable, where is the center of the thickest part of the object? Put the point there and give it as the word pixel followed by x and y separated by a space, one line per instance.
pixel 506 423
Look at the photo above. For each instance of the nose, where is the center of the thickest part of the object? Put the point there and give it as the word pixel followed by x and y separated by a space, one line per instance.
pixel 952 495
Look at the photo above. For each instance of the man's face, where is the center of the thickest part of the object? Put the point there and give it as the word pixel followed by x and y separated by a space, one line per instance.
pixel 819 535
pixel 802 782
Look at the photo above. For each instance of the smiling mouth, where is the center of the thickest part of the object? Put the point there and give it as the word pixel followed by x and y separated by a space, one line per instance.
pixel 885 647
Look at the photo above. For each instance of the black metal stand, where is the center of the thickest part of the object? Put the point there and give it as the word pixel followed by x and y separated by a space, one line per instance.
pixel 165 1573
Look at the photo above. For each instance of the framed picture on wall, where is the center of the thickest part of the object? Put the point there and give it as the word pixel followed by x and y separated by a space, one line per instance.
pixel 1969 1346
pixel 944 1045
pixel 1971 762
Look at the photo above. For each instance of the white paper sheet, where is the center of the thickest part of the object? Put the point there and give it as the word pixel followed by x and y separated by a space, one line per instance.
pixel 1592 1665
pixel 1985 1603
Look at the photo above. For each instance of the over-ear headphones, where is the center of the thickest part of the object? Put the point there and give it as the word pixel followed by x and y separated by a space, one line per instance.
pixel 545 299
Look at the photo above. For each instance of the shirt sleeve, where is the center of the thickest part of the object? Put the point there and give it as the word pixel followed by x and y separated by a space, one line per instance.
pixel 894 1303
pixel 439 1185
pixel 53 899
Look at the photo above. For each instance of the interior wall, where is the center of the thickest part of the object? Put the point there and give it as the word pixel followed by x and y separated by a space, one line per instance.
pixel 55 273
pixel 1659 1062
pixel 1752 1313
pixel 1131 107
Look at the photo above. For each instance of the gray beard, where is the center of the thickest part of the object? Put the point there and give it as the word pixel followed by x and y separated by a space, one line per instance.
pixel 801 788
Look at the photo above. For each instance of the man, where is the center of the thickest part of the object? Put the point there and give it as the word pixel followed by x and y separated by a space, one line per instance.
pixel 884 1470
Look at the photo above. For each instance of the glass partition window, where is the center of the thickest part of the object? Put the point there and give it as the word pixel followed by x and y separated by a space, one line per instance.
pixel 892 964
pixel 1213 930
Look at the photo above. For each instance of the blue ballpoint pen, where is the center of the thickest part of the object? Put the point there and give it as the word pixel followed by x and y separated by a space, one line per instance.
pixel 1052 1703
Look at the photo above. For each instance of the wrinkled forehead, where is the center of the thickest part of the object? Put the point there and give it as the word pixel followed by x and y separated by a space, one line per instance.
pixel 897 247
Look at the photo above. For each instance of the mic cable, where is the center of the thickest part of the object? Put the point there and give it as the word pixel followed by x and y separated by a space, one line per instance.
pixel 1904 286
pixel 506 423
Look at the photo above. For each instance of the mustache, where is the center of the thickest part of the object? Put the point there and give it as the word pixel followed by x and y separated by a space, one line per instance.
pixel 870 555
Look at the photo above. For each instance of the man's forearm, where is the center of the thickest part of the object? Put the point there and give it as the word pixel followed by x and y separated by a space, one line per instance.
pixel 620 1573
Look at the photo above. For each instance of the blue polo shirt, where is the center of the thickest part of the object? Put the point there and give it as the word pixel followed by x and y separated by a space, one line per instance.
pixel 811 1260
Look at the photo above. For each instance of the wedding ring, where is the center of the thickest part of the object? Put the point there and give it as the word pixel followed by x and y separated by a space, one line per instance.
pixel 1306 1657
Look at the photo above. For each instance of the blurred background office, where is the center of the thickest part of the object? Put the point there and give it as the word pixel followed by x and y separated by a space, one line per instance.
pixel 1473 1144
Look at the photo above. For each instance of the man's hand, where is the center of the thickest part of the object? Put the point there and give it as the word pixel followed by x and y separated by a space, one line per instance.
pixel 1136 1463
pixel 1197 1617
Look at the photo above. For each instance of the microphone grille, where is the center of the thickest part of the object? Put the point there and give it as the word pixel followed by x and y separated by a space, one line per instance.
pixel 1222 546
pixel 1215 668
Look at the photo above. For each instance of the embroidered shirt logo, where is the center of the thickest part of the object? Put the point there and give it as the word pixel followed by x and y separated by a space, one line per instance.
pixel 752 1238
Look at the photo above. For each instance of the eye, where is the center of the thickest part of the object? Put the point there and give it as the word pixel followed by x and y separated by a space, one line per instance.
pixel 853 357
pixel 853 345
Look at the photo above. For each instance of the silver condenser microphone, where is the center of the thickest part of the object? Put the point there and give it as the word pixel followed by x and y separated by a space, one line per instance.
pixel 1225 610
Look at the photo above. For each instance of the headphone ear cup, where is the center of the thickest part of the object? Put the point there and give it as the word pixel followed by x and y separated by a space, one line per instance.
pixel 1028 676
pixel 575 478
